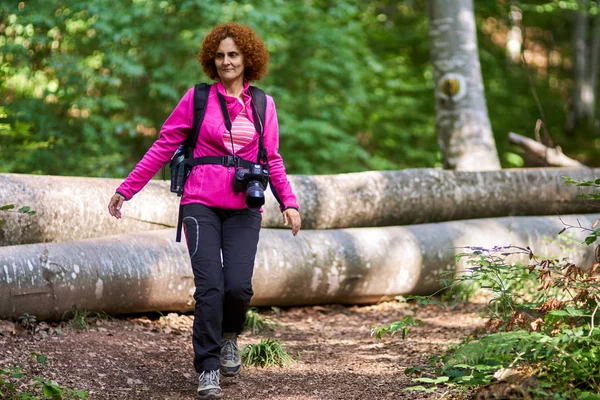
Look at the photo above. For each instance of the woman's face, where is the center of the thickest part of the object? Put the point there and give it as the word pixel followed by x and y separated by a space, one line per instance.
pixel 229 61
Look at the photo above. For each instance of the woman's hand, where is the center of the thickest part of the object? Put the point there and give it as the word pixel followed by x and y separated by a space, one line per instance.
pixel 292 215
pixel 114 206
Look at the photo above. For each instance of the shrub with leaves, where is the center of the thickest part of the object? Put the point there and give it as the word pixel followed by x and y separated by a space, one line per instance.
pixel 402 325
pixel 28 322
pixel 12 386
pixel 552 330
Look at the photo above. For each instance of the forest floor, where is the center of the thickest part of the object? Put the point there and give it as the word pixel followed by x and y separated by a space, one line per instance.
pixel 150 357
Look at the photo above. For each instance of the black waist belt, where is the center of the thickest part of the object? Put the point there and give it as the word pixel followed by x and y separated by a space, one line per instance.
pixel 227 161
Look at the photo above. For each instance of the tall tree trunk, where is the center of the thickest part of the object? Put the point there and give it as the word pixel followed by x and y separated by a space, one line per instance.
pixel 594 66
pixel 462 122
pixel 583 96
pixel 514 42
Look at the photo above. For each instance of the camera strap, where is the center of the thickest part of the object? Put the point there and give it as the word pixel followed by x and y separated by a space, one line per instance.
pixel 226 119
pixel 259 95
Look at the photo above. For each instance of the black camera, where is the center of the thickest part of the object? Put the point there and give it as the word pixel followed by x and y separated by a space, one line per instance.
pixel 254 181
pixel 179 171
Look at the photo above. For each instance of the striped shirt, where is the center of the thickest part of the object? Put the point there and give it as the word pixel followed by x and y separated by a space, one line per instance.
pixel 242 131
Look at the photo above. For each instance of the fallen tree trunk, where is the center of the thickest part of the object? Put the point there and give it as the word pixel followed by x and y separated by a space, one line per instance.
pixel 76 208
pixel 538 155
pixel 148 271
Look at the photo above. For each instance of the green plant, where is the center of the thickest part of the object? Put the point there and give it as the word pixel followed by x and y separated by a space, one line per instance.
pixel 510 284
pixel 266 353
pixel 9 376
pixel 594 232
pixel 256 323
pixel 401 325
pixel 40 358
pixel 552 330
pixel 28 322
pixel 81 319
pixel 53 391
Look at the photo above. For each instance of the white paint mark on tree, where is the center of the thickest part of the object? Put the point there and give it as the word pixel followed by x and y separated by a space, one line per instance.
pixel 99 289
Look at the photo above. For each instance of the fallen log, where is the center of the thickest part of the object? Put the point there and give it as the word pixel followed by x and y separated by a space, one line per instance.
pixel 148 271
pixel 71 208
pixel 538 155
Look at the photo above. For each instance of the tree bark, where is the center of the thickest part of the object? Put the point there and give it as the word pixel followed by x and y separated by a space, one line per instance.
pixel 538 155
pixel 462 122
pixel 514 39
pixel 71 208
pixel 147 271
pixel 594 68
pixel 582 97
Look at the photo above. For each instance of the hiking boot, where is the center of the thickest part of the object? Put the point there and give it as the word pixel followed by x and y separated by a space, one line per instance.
pixel 208 385
pixel 230 355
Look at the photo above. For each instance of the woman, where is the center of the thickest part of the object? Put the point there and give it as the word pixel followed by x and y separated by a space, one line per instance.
pixel 217 222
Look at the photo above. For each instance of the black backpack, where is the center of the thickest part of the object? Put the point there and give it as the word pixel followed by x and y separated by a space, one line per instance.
pixel 182 161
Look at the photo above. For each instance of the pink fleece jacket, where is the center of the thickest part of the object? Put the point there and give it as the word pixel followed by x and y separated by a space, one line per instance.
pixel 210 184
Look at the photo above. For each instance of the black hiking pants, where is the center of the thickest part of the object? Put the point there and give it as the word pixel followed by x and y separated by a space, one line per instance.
pixel 223 285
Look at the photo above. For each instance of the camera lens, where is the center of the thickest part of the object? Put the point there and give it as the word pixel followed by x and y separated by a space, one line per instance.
pixel 255 194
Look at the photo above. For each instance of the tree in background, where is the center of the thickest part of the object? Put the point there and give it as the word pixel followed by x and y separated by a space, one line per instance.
pixel 86 85
pixel 463 126
pixel 586 58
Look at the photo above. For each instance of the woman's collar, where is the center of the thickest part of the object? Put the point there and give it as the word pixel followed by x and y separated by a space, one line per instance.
pixel 245 92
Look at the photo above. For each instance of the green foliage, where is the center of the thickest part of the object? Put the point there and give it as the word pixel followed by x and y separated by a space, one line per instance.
pixel 565 361
pixel 510 284
pixel 593 232
pixel 269 352
pixel 10 208
pixel 13 387
pixel 552 330
pixel 81 319
pixel 256 323
pixel 29 322
pixel 585 183
pixel 40 358
pixel 87 84
pixel 396 326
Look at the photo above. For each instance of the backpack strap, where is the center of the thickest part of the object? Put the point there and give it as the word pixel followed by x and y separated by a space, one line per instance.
pixel 201 91
pixel 259 101
pixel 259 110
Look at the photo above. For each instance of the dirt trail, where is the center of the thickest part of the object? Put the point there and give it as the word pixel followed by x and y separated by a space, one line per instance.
pixel 150 358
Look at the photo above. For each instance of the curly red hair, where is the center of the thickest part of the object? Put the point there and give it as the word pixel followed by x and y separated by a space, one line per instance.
pixel 256 56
